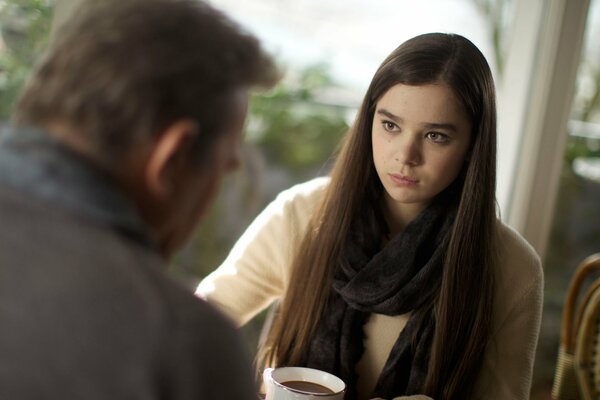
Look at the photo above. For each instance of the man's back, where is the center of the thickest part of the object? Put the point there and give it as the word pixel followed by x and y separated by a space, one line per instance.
pixel 122 135
pixel 85 307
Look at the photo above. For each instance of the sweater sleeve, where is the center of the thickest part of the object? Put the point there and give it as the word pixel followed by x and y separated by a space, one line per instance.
pixel 508 362
pixel 256 271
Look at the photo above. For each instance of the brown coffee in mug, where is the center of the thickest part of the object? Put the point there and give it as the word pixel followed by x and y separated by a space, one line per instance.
pixel 309 387
pixel 299 383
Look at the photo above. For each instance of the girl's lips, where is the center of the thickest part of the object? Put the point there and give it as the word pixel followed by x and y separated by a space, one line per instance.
pixel 403 180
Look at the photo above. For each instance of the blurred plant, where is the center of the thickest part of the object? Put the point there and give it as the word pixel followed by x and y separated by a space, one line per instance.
pixel 580 147
pixel 25 28
pixel 586 105
pixel 293 128
pixel 588 90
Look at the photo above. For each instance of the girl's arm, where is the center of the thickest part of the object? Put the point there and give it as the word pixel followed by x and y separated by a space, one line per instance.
pixel 257 269
pixel 508 363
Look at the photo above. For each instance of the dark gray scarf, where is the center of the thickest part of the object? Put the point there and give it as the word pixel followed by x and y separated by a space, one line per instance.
pixel 404 276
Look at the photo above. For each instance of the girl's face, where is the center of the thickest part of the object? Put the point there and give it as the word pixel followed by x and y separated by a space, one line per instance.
pixel 420 137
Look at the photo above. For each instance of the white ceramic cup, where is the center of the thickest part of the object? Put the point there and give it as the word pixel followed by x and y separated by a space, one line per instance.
pixel 276 390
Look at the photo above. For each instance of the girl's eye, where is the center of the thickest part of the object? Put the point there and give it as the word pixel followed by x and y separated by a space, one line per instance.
pixel 438 137
pixel 389 126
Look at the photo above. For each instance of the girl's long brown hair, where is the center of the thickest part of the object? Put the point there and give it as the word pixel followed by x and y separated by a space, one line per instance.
pixel 463 307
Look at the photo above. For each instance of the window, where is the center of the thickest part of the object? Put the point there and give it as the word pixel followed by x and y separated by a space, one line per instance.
pixel 575 231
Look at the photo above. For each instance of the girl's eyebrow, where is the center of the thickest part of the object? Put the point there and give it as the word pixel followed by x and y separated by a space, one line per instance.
pixel 386 113
pixel 429 125
pixel 444 126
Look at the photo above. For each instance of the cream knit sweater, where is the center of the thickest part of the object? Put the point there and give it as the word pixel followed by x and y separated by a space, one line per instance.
pixel 257 272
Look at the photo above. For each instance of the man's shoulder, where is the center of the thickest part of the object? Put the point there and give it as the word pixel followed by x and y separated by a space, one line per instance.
pixel 119 313
pixel 186 311
pixel 70 256
pixel 53 228
pixel 200 341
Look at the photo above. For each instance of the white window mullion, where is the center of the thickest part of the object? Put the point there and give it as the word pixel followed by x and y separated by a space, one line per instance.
pixel 536 174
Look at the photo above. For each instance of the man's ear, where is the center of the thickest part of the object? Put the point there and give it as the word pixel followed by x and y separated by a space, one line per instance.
pixel 167 158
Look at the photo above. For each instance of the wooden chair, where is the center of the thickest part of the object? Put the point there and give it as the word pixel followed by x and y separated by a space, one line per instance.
pixel 578 367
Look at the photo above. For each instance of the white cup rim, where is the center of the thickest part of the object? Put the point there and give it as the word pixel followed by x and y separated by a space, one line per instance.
pixel 331 376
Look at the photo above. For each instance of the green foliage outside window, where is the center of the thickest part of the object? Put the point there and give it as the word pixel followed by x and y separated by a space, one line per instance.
pixel 292 127
pixel 25 27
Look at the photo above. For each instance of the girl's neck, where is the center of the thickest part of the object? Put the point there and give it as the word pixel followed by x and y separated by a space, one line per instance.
pixel 398 215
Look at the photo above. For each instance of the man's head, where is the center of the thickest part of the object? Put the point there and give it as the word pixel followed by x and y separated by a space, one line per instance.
pixel 155 93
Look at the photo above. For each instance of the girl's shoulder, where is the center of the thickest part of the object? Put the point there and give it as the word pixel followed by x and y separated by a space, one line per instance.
pixel 312 189
pixel 302 198
pixel 513 249
pixel 519 272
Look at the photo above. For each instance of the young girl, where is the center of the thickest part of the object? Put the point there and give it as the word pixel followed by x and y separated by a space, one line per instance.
pixel 395 273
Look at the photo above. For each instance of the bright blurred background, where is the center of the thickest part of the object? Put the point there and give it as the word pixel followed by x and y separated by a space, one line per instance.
pixel 546 62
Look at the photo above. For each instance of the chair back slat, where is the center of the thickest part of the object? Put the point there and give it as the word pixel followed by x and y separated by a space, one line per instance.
pixel 569 328
pixel 578 366
pixel 587 363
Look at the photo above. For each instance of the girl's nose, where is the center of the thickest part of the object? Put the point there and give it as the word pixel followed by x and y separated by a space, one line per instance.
pixel 409 151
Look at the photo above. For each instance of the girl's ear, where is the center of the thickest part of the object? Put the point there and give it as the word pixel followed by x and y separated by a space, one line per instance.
pixel 167 160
